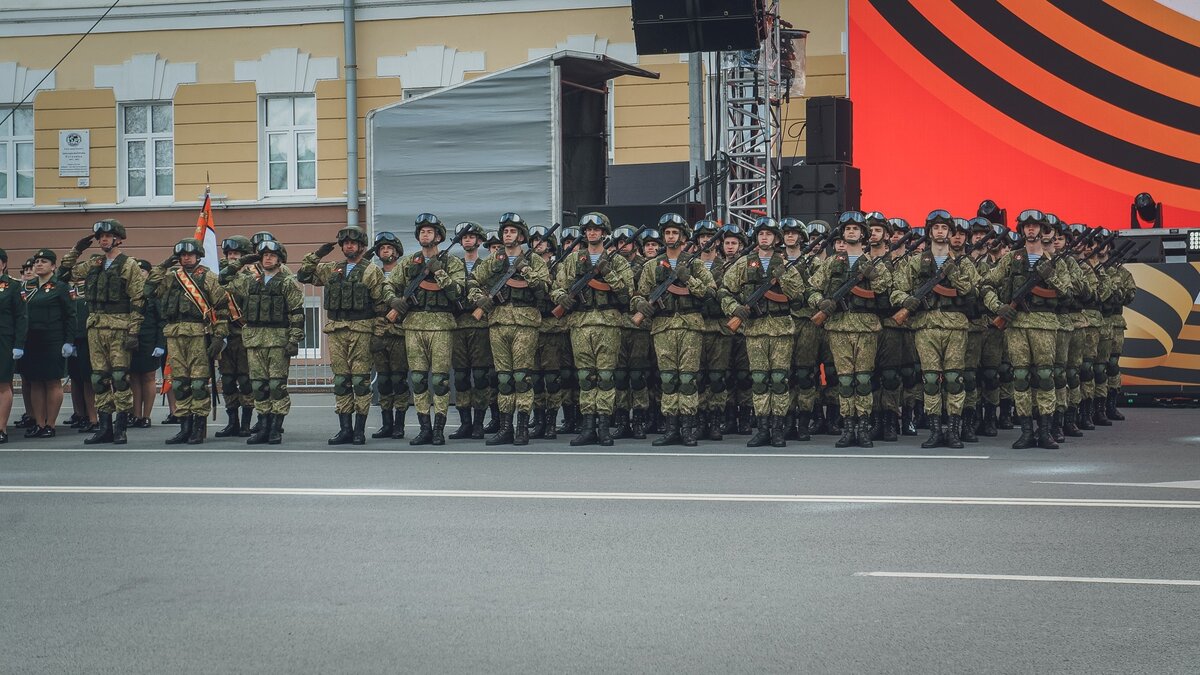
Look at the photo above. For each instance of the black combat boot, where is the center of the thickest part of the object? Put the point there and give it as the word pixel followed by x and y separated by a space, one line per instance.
pixel 715 421
pixel 425 435
pixel 671 435
pixel 936 437
pixel 1055 419
pixel 1026 439
pixel 849 433
pixel 263 435
pixel 875 422
pixel 816 423
pixel 550 432
pixel 621 428
pixel 185 431
pixel 953 432
pixel 587 435
pixel 729 423
pixel 778 427
pixel 1099 418
pixel 923 420
pixel 834 421
pixel 503 435
pixel 570 412
pixel 790 432
pixel 637 428
pixel 477 422
pixel 120 425
pixel 247 415
pixel 908 422
pixel 398 431
pixel 439 429
pixel 494 425
pixel 987 424
pixel 803 417
pixel 864 432
pixel 104 434
pixel 689 430
pixel 199 430
pixel 1084 420
pixel 762 435
pixel 1069 427
pixel 345 432
pixel 966 427
pixel 745 420
pixel 389 424
pixel 233 428
pixel 465 425
pixel 1045 439
pixel 258 424
pixel 1005 419
pixel 1110 407
pixel 603 437
pixel 537 428
pixel 275 436
pixel 360 430
pixel 890 425
pixel 521 429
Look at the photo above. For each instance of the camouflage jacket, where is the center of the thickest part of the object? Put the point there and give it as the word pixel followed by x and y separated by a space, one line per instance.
pixel 1008 274
pixel 258 336
pixel 714 316
pixel 684 309
pixel 465 318
pixel 181 314
pixel 947 306
pixel 594 306
pixel 438 298
pixel 855 314
pixel 130 321
pixel 1120 289
pixel 517 305
pixel 769 317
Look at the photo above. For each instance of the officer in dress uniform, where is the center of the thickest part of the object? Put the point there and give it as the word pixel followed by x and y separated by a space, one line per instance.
pixel 14 326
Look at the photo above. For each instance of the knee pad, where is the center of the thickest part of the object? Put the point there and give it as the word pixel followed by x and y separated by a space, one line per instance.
pixel 418 382
pixel 587 379
pixel 889 379
pixel 758 381
pixel 621 379
pixel 831 375
pixel 688 383
pixel 1060 377
pixel 802 377
pixel 1114 366
pixel 778 382
pixel 716 381
pixel 553 381
pixel 199 390
pixel 243 384
pixel 538 379
pixel 638 379
pixel 278 388
pixel 399 383
pixel 228 384
pixel 845 385
pixel 908 376
pixel 1006 374
pixel 1043 378
pixel 862 384
pixel 100 380
pixel 522 381
pixel 182 387
pixel 439 384
pixel 604 380
pixel 489 378
pixel 1087 372
pixel 361 384
pixel 504 383
pixel 480 378
pixel 990 377
pixel 954 381
pixel 462 380
pixel 743 379
pixel 384 382
pixel 1099 372
pixel 567 377
pixel 969 381
pixel 1073 378
pixel 702 381
pixel 342 386
pixel 669 381
pixel 120 380
pixel 1020 379
pixel 931 387
pixel 262 390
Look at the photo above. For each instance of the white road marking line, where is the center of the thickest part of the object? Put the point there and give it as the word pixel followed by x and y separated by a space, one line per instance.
pixel 504 453
pixel 601 496
pixel 1185 484
pixel 1026 577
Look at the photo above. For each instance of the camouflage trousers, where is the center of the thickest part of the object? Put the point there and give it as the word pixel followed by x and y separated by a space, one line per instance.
pixel 889 389
pixel 268 379
pixel 633 370
pixel 715 349
pixel 739 371
pixel 854 363
pixel 190 371
pixel 350 361
pixel 110 369
pixel 1074 365
pixel 1062 344
pixel 473 371
pixel 553 370
pixel 1087 364
pixel 806 352
pixel 234 367
pixel 1104 346
pixel 1116 347
pixel 972 357
pixel 596 349
pixel 428 369
pixel 1031 352
pixel 828 391
pixel 943 357
pixel 390 358
pixel 514 349
pixel 994 369
pixel 910 369
pixel 678 351
pixel 769 356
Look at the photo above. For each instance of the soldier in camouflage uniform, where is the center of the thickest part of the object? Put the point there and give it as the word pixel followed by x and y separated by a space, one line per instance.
pixel 428 319
pixel 233 364
pixel 273 306
pixel 806 345
pixel 733 243
pixel 910 381
pixel 572 421
pixel 388 351
pixel 553 348
pixel 114 286
pixel 887 384
pixel 1120 289
pixel 716 339
pixel 1089 338
pixel 594 323
pixel 991 347
pixel 196 311
pixel 853 327
pixel 767 324
pixel 644 381
pixel 355 295
pixel 972 305
pixel 471 353
pixel 634 355
pixel 676 327
pixel 1032 325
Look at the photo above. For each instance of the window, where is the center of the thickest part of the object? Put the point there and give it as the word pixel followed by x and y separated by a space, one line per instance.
pixel 147 152
pixel 290 141
pixel 16 155
pixel 310 346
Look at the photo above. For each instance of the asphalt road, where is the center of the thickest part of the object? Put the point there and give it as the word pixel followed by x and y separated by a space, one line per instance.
pixel 307 558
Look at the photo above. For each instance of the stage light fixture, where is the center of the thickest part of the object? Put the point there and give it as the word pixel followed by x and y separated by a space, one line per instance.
pixel 1145 210
pixel 1194 241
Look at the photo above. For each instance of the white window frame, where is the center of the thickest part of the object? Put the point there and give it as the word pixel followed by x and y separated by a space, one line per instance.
pixel 265 131
pixel 10 141
pixel 314 318
pixel 150 138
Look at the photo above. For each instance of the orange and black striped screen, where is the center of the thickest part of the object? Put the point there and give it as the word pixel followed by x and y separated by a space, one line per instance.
pixel 1070 106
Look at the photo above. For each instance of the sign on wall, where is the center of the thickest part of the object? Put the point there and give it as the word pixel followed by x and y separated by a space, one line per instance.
pixel 74 152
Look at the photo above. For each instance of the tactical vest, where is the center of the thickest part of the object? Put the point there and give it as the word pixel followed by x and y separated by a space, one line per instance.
pixel 1018 275
pixel 591 299
pixel 935 300
pixel 177 306
pixel 522 296
pixel 106 289
pixel 347 298
pixel 266 303
pixel 427 300
pixel 773 302
pixel 672 303
pixel 853 302
pixel 712 304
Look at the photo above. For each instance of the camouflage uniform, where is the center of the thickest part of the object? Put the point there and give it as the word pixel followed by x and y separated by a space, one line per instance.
pixel 471 356
pixel 233 364
pixel 553 371
pixel 1121 290
pixel 715 350
pixel 390 359
pixel 1092 306
pixel 994 369
pixel 632 375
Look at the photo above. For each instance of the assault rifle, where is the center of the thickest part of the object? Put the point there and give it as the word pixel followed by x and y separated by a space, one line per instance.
pixel 667 284
pixel 505 279
pixel 910 241
pixel 762 290
pixel 589 279
pixel 562 255
pixel 847 286
pixel 419 280
pixel 1125 253
pixel 934 284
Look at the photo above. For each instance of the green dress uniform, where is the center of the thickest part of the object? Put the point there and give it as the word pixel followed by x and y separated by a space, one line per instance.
pixel 390 358
pixel 150 337
pixel 14 325
pixel 234 367
pixel 51 316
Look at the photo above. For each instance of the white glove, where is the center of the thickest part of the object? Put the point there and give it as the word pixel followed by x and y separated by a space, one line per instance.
pixel 68 350
pixel 158 351
pixel 18 353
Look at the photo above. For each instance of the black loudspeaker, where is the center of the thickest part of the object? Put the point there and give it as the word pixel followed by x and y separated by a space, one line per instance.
pixel 644 214
pixel 684 26
pixel 830 131
pixel 820 191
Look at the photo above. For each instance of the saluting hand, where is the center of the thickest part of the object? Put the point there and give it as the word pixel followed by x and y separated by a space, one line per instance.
pixel 325 249
pixel 83 244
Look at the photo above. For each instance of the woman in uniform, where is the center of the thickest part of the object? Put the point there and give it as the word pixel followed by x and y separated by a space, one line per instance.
pixel 147 358
pixel 79 366
pixel 51 339
pixel 13 326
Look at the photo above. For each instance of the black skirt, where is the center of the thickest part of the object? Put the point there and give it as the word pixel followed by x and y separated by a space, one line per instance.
pixel 43 360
